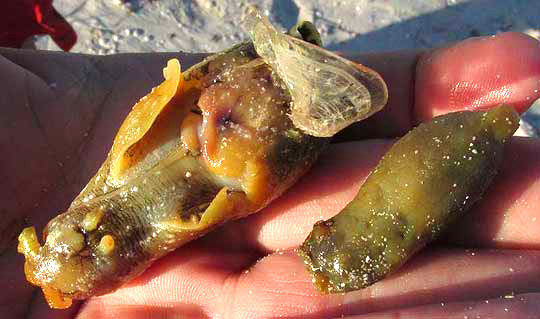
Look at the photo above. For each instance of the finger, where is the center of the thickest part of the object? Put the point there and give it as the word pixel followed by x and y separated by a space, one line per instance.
pixel 319 195
pixel 195 281
pixel 280 284
pixel 506 216
pixel 200 282
pixel 476 73
pixel 524 306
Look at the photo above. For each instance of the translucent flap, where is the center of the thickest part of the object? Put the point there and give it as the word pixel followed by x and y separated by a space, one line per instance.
pixel 329 92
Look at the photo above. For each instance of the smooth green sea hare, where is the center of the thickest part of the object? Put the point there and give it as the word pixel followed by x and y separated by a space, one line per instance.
pixel 430 177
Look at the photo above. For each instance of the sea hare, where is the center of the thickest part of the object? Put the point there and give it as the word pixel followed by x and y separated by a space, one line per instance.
pixel 214 143
pixel 430 177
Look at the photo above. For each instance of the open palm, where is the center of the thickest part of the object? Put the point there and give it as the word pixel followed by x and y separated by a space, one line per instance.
pixel 60 113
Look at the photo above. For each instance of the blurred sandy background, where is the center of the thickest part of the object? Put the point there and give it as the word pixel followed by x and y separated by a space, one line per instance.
pixel 115 26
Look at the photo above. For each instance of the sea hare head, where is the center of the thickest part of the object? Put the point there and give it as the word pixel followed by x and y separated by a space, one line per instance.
pixel 79 257
pixel 52 266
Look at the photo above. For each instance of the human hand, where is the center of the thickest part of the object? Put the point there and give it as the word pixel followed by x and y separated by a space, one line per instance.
pixel 248 269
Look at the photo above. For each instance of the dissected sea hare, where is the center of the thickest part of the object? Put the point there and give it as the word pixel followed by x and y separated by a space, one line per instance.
pixel 427 179
pixel 212 144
